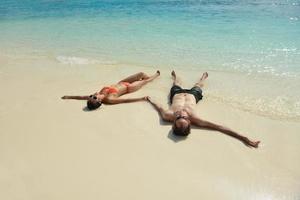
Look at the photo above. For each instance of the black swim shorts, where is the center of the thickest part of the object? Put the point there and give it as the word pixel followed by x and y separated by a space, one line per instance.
pixel 196 91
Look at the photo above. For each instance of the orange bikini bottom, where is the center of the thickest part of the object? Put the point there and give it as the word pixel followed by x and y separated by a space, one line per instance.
pixel 112 90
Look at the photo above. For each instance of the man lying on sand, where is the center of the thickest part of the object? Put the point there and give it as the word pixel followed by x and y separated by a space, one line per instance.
pixel 111 94
pixel 181 114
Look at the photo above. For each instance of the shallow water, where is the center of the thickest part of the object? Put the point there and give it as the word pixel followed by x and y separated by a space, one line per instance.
pixel 250 48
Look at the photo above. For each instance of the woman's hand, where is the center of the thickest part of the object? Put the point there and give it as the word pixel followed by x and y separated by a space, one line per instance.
pixel 64 97
pixel 250 143
pixel 148 98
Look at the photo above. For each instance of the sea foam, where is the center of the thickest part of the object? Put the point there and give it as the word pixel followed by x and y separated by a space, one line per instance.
pixel 73 60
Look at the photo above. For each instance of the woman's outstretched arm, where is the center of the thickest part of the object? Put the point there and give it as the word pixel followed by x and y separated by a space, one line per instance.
pixel 76 97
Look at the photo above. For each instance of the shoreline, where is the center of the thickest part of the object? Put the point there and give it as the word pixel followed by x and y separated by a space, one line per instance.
pixel 269 96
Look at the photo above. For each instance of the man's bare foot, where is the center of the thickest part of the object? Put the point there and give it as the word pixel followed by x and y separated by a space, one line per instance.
pixel 204 76
pixel 173 74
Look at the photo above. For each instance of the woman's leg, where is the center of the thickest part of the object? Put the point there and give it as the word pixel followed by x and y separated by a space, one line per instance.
pixel 136 85
pixel 135 77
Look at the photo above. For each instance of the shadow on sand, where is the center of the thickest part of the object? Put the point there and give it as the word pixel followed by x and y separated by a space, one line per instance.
pixel 171 136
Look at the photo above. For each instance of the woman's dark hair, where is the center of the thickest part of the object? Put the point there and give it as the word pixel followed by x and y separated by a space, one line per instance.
pixel 92 105
pixel 181 131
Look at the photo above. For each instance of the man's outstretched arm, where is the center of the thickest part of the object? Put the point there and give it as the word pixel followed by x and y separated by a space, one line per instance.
pixel 165 115
pixel 206 124
pixel 122 100
pixel 76 97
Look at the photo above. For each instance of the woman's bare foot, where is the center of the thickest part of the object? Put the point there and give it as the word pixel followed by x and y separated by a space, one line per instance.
pixel 145 77
pixel 157 73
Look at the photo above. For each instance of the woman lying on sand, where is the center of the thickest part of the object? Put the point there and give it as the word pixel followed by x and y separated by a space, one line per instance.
pixel 111 94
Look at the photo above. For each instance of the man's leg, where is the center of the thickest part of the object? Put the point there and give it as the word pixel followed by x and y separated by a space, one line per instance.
pixel 176 80
pixel 136 85
pixel 135 77
pixel 200 83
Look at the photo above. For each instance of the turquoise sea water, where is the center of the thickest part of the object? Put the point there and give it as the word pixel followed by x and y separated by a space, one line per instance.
pixel 253 46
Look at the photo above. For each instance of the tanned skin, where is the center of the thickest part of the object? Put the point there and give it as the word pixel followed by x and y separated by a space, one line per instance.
pixel 183 105
pixel 135 81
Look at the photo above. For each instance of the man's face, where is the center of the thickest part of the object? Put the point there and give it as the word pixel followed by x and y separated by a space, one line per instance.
pixel 181 119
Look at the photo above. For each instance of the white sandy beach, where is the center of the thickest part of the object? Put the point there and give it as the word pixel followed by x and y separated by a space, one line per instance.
pixel 52 149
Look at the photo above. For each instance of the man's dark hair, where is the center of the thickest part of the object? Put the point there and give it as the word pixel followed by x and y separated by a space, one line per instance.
pixel 92 105
pixel 181 131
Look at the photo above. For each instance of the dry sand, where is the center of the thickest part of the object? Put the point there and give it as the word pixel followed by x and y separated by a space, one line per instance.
pixel 52 149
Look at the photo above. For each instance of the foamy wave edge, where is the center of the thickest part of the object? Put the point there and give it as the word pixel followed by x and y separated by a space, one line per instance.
pixel 276 109
pixel 73 60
